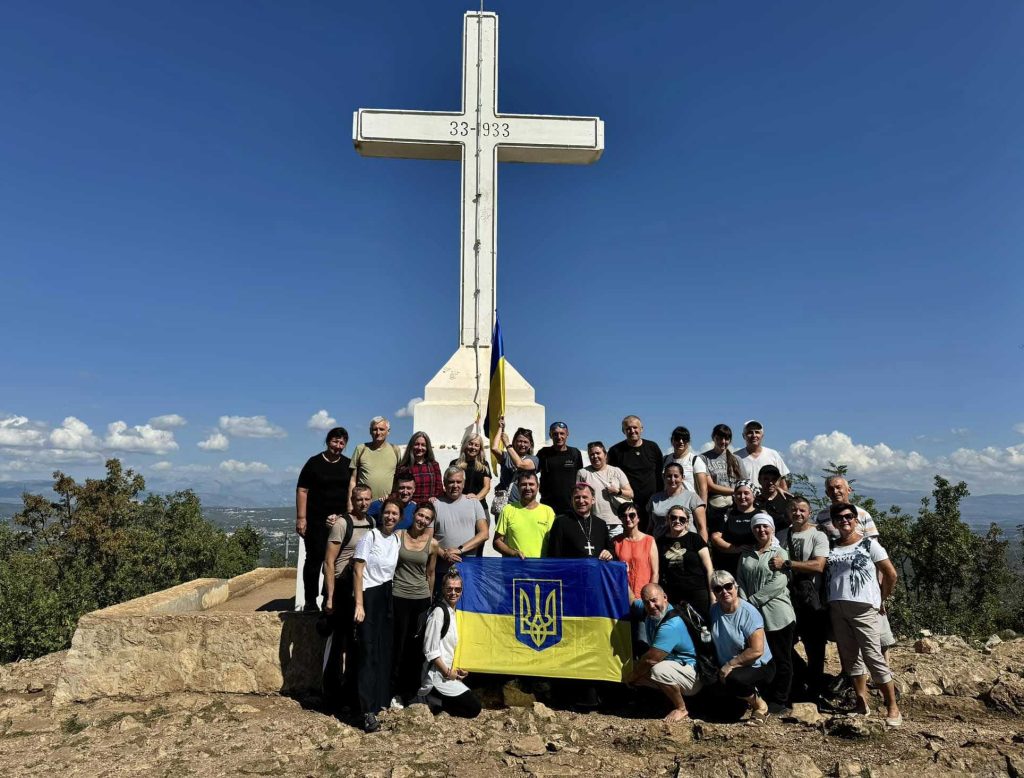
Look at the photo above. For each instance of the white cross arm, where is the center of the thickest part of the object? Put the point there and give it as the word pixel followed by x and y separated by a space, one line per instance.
pixel 566 140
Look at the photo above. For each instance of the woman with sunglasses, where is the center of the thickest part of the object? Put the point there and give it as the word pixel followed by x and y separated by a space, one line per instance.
pixel 676 493
pixel 442 681
pixel 737 631
pixel 684 564
pixel 682 454
pixel 516 456
pixel 860 578
pixel 637 550
pixel 767 589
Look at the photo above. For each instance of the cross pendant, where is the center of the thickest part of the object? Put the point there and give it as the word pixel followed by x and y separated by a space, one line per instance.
pixel 589 547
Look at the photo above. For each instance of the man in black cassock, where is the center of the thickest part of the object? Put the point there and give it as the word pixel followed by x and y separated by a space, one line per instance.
pixel 579 534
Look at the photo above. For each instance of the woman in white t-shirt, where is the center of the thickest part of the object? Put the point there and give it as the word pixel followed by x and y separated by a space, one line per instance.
pixel 854 567
pixel 373 569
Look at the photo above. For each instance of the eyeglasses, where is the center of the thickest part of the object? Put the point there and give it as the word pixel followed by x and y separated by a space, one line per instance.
pixel 630 515
pixel 845 518
pixel 453 591
pixel 727 587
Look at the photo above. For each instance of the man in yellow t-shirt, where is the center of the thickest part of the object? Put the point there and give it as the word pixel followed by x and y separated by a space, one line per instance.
pixel 523 527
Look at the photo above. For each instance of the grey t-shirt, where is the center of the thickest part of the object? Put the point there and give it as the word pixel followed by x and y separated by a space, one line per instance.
pixel 661 504
pixel 805 545
pixel 456 521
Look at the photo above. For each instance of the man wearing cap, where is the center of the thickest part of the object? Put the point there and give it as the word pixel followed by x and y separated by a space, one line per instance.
pixel 754 456
pixel 559 463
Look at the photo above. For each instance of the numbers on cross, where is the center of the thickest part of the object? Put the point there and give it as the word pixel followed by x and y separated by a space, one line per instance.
pixel 489 129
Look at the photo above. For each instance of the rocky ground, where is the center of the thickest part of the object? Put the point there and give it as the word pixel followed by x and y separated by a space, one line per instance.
pixel 962 708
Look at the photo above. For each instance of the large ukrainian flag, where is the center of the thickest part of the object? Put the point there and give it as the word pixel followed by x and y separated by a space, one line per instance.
pixel 557 618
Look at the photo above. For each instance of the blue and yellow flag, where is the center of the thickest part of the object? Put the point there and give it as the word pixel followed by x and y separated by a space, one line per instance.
pixel 496 392
pixel 557 618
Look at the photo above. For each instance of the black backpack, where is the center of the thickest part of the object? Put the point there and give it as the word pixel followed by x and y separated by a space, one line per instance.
pixel 707 658
pixel 421 623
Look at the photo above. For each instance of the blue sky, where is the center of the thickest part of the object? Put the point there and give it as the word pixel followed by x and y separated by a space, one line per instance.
pixel 808 213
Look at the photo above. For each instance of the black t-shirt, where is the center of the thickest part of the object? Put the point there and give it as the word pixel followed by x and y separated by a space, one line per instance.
pixel 558 476
pixel 570 535
pixel 735 527
pixel 680 568
pixel 777 508
pixel 642 466
pixel 474 478
pixel 327 484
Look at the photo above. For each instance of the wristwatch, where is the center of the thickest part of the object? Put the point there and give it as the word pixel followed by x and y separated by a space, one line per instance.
pixel 787 565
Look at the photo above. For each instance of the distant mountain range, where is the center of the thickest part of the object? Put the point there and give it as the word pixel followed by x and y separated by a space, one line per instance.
pixel 978 511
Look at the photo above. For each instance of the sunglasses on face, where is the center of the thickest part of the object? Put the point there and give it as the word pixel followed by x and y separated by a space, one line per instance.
pixel 453 591
pixel 845 518
pixel 632 515
pixel 723 588
pixel 676 519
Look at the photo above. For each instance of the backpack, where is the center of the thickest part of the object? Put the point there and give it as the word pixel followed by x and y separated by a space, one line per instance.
pixel 347 537
pixel 421 622
pixel 707 658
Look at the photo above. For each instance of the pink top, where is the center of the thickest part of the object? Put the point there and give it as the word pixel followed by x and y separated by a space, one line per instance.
pixel 637 556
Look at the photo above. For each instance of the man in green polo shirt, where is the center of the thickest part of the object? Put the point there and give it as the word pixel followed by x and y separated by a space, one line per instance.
pixel 523 527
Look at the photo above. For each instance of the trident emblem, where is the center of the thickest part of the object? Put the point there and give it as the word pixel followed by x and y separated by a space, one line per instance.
pixel 538 621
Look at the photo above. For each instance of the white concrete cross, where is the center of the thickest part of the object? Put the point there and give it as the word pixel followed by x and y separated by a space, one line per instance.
pixel 480 137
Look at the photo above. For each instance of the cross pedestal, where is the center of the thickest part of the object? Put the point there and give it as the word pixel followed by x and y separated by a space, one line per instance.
pixel 479 137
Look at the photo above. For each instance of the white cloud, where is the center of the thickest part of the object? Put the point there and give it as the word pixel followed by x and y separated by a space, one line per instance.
pixel 19 431
pixel 161 465
pixel 142 438
pixel 959 432
pixel 1019 428
pixel 864 461
pixel 406 412
pixel 167 421
pixel 217 441
pixel 74 434
pixel 234 466
pixel 250 427
pixel 321 420
pixel 985 470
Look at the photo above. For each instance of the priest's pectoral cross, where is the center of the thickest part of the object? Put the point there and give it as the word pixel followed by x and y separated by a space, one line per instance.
pixel 589 547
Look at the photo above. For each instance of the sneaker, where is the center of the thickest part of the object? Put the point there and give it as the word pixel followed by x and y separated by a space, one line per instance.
pixel 396 704
pixel 779 709
pixel 370 723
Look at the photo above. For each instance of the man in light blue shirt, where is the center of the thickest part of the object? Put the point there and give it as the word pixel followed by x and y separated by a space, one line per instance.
pixel 670 664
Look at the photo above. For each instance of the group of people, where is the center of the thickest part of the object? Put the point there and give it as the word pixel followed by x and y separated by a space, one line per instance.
pixel 727 570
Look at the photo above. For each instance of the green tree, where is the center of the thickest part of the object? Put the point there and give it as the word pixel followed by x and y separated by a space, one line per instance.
pixel 100 543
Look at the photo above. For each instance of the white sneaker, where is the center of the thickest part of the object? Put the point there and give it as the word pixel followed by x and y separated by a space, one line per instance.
pixel 396 704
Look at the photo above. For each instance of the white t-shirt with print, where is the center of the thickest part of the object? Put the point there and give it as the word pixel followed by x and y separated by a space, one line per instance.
pixel 851 574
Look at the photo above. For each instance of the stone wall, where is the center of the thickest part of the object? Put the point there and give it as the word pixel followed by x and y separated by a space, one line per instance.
pixel 158 645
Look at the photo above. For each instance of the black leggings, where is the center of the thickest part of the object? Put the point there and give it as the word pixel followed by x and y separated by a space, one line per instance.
pixel 745 681
pixel 374 637
pixel 316 549
pixel 466 705
pixel 780 642
pixel 407 652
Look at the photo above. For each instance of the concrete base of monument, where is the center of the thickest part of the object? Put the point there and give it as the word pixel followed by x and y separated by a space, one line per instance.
pixel 451 402
pixel 208 635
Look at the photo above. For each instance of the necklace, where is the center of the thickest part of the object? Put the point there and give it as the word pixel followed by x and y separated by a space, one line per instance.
pixel 590 526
